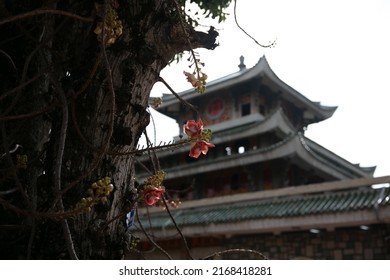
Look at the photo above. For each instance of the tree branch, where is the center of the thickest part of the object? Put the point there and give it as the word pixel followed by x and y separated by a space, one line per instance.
pixel 189 105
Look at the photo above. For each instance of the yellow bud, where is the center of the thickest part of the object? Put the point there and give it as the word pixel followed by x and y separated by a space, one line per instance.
pixel 109 188
pixel 107 180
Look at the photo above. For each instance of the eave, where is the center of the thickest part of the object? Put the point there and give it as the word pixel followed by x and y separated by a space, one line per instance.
pixel 244 127
pixel 294 146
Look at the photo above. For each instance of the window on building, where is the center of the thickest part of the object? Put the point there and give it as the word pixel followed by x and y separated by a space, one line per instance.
pixel 245 109
pixel 241 149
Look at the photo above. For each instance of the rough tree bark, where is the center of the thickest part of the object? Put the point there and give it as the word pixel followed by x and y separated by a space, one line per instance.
pixel 69 105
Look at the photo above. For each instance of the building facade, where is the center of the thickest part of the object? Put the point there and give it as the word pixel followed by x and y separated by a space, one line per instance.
pixel 265 186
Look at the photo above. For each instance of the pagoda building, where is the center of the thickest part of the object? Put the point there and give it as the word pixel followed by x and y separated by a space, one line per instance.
pixel 265 186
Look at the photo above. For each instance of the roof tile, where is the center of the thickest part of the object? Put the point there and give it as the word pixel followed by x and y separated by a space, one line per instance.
pixel 291 206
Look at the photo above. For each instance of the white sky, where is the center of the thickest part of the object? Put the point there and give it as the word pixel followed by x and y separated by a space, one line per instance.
pixel 335 52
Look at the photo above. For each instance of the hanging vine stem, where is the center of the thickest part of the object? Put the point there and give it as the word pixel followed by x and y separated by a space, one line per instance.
pixel 150 239
pixel 24 74
pixel 21 86
pixel 45 12
pixel 55 216
pixel 156 167
pixel 54 103
pixel 58 167
pixel 105 149
pixel 177 227
pixel 246 33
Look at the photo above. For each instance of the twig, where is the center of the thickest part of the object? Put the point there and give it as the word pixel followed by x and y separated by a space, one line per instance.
pixel 76 125
pixel 29 115
pixel 9 191
pixel 44 12
pixel 13 167
pixel 187 37
pixel 24 74
pixel 90 77
pixel 9 60
pixel 160 147
pixel 189 105
pixel 154 159
pixel 55 216
pixel 19 87
pixel 120 215
pixel 31 240
pixel 154 127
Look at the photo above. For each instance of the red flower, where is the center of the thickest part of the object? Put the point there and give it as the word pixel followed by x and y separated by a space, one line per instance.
pixel 191 78
pixel 153 195
pixel 193 129
pixel 198 82
pixel 200 147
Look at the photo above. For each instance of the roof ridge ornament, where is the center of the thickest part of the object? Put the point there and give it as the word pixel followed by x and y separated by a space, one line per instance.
pixel 242 65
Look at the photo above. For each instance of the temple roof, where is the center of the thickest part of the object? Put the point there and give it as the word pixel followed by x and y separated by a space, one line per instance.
pixel 262 71
pixel 334 205
pixel 294 145
pixel 277 208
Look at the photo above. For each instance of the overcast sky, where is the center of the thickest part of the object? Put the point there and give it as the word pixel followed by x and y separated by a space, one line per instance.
pixel 334 52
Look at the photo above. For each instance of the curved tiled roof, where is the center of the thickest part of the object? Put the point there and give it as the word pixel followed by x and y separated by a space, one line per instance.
pixel 294 144
pixel 292 206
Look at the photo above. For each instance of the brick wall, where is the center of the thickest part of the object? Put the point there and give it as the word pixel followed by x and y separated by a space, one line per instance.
pixel 346 243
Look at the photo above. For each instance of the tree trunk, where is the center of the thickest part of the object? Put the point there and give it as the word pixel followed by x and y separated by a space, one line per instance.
pixel 69 106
